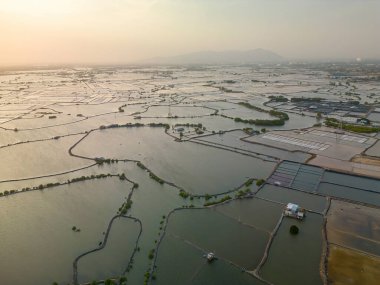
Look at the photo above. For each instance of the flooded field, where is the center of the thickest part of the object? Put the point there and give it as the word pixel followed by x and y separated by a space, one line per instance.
pixel 284 195
pixel 255 212
pixel 200 163
pixel 208 231
pixel 236 140
pixel 112 261
pixel 39 225
pixel 39 159
pixel 195 270
pixel 283 265
pixel 138 173
pixel 242 225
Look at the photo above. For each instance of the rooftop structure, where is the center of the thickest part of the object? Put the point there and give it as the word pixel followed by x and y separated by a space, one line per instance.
pixel 294 211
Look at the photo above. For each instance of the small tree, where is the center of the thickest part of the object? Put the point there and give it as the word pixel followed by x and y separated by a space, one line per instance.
pixel 151 254
pixel 123 280
pixel 293 230
pixel 208 197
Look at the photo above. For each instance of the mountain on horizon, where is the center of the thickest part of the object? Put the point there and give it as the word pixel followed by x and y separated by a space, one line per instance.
pixel 220 57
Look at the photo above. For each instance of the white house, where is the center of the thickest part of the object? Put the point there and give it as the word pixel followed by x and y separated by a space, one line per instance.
pixel 294 211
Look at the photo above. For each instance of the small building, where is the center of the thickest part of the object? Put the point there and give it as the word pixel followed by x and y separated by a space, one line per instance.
pixel 294 211
pixel 363 121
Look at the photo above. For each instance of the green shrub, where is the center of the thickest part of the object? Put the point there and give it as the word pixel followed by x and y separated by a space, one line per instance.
pixel 334 123
pixel 294 230
pixel 142 166
pixel 183 194
pixel 151 254
pixel 156 178
pixel 248 182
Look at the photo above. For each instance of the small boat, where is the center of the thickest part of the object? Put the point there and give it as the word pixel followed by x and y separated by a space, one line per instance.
pixel 210 256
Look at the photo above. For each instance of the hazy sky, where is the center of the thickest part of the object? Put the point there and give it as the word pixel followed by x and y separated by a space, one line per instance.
pixel 121 31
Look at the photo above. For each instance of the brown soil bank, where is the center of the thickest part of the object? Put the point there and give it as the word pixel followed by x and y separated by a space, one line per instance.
pixel 366 160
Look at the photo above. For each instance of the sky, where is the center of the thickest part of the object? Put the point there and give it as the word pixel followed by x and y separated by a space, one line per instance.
pixel 127 31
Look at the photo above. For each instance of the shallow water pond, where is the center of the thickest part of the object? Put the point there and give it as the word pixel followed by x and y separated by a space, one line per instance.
pixel 197 168
pixel 285 195
pixel 180 263
pixel 36 228
pixel 295 259
pixel 209 230
pixel 112 260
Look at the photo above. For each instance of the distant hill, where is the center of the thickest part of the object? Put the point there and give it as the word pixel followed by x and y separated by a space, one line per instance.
pixel 222 57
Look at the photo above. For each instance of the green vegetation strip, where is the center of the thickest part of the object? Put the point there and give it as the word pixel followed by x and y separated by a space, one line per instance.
pixel 221 200
pixel 69 181
pixel 282 117
pixel 184 194
pixel 130 125
pixel 334 123
pixel 151 174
